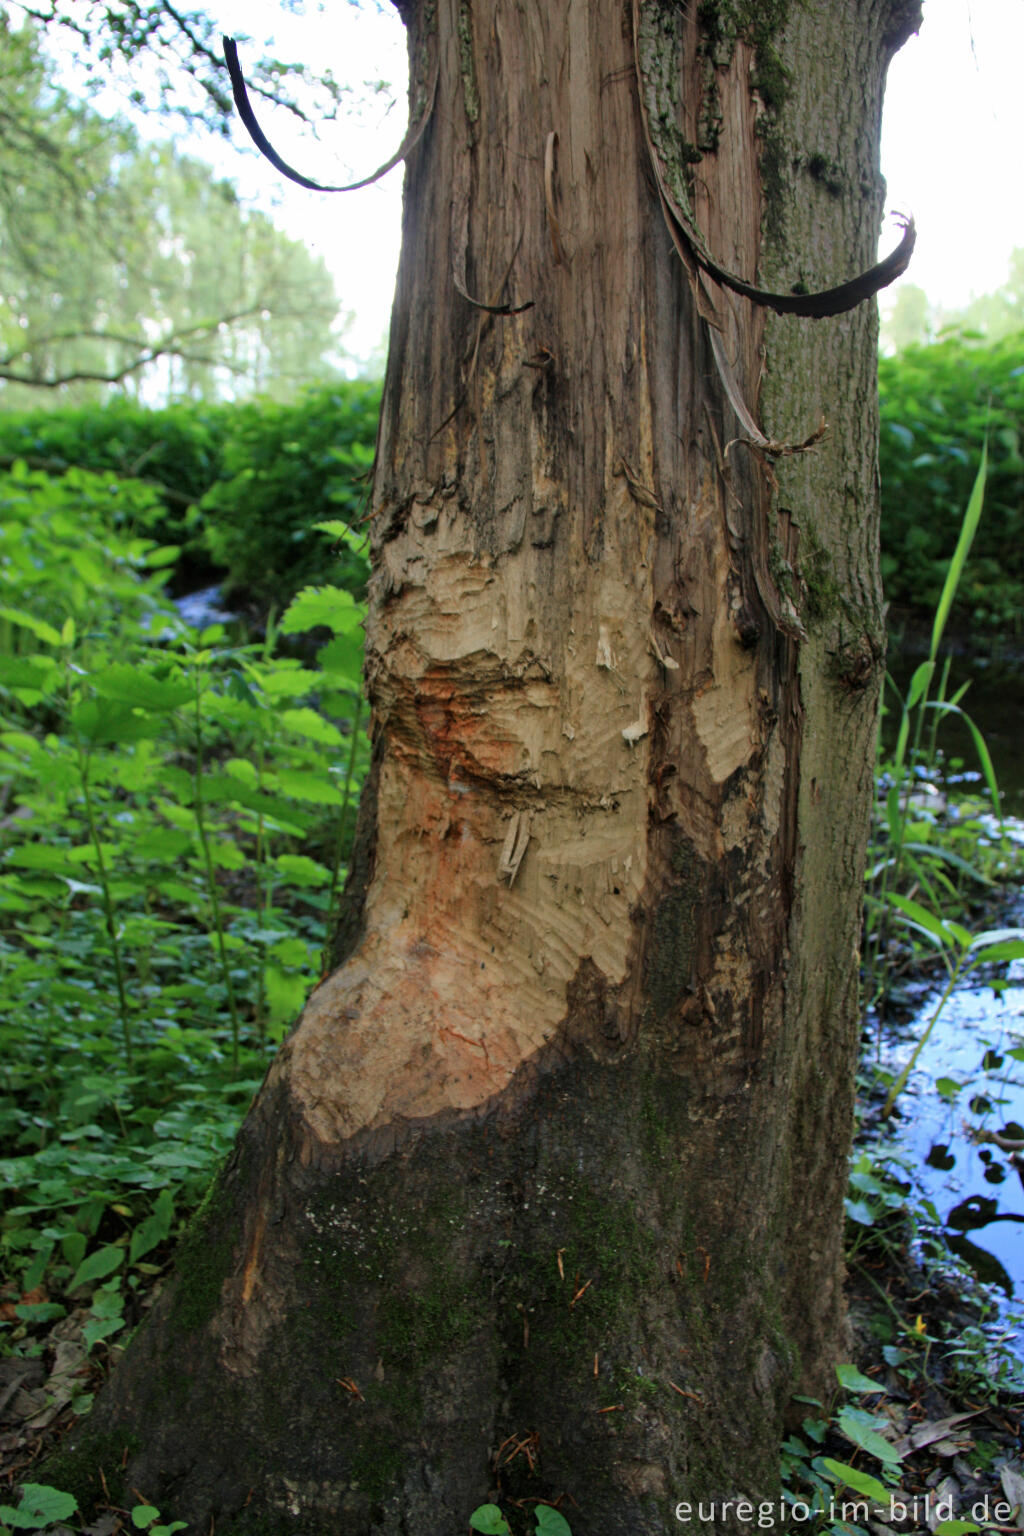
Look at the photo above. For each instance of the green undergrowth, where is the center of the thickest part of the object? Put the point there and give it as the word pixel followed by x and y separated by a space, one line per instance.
pixel 238 488
pixel 176 811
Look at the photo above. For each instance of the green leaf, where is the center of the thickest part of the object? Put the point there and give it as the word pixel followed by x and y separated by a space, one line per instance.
pixel 1013 949
pixel 96 1328
pixel 281 683
pixel 955 1527
pixel 860 1482
pixel 919 683
pixel 286 993
pixel 40 1506
pixel 920 918
pixel 138 687
pixel 307 723
pixel 550 1521
pixel 489 1521
pixel 313 788
pixel 154 1229
pixel 143 1515
pixel 852 1426
pixel 165 554
pixel 947 856
pixel 73 1246
pixel 300 869
pixel 985 759
pixel 854 1381
pixel 354 540
pixel 861 1212
pixel 998 944
pixel 341 659
pixel 40 1311
pixel 322 608
pixel 108 721
pixel 38 627
pixel 97 1266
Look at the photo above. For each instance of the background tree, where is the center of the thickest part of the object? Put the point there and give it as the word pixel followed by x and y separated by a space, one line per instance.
pixel 124 263
pixel 544 1193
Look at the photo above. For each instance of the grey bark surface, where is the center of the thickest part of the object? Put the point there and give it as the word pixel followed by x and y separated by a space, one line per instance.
pixel 542 1198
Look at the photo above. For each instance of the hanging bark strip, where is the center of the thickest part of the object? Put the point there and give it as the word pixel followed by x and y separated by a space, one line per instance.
pixel 683 227
pixel 459 280
pixel 263 144
pixel 554 228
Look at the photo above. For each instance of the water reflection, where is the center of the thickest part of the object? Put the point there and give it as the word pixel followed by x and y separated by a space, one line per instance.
pixel 961 1123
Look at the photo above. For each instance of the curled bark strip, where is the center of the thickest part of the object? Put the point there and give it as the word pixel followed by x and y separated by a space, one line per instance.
pixel 732 389
pixel 683 228
pixel 491 309
pixel 773 449
pixel 266 149
pixel 554 229
pixel 460 241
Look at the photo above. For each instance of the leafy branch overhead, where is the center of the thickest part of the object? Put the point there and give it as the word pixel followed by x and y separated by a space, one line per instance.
pixel 183 44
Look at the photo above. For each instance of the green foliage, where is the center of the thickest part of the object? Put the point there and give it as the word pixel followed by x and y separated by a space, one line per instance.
pixel 39 1507
pixel 488 1520
pixel 285 468
pixel 814 1482
pixel 887 1216
pixel 42 1508
pixel 176 454
pixel 937 404
pixel 239 488
pixel 175 815
pixel 146 1517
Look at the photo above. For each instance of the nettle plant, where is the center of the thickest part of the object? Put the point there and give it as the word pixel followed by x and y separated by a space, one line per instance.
pixel 176 810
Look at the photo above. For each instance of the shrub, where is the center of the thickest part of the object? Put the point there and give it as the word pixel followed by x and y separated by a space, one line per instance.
pixel 936 402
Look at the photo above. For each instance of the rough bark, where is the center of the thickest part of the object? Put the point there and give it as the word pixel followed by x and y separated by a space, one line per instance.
pixel 542 1198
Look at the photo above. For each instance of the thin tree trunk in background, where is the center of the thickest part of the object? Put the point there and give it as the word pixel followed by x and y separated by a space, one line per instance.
pixel 542 1199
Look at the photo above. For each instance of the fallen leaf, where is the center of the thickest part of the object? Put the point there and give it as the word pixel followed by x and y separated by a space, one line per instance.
pixel 1013 1487
pixel 931 1431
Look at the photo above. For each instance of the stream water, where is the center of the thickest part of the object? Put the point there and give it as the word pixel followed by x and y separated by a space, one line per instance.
pixel 968 1085
pixel 960 1125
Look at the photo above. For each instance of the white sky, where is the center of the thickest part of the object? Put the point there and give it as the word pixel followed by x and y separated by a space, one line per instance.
pixel 952 151
pixel 953 145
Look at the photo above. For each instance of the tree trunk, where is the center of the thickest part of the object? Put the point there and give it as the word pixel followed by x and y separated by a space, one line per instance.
pixel 542 1199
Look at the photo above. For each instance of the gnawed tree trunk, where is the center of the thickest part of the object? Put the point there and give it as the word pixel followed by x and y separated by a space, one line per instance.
pixel 542 1198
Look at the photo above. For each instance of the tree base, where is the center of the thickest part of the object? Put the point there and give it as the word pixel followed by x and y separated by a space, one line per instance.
pixel 579 1295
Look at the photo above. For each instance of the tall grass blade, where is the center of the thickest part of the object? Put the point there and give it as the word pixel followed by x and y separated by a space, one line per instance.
pixel 968 529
